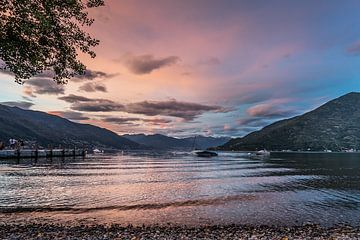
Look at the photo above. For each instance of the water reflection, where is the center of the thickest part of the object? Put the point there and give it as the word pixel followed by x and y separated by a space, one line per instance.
pixel 142 187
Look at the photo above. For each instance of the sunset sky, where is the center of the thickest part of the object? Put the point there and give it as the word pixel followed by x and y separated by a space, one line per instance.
pixel 210 67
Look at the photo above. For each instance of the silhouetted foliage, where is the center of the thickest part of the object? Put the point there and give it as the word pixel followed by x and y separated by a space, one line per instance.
pixel 41 35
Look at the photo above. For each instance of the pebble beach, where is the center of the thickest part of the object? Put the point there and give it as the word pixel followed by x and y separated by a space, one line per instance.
pixel 90 232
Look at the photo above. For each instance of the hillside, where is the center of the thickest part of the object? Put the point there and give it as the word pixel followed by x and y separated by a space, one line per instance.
pixel 48 129
pixel 334 126
pixel 159 141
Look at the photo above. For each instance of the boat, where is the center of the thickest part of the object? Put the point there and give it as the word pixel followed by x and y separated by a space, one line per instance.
pixel 203 153
pixel 206 154
pixel 260 154
pixel 349 150
pixel 98 151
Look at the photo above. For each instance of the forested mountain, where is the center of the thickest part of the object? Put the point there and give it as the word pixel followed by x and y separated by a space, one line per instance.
pixel 333 126
pixel 47 129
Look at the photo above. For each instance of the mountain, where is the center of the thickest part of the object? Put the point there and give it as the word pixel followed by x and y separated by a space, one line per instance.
pixel 333 126
pixel 48 129
pixel 159 141
pixel 203 142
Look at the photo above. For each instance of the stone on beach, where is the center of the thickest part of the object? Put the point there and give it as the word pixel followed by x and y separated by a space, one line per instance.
pixel 52 231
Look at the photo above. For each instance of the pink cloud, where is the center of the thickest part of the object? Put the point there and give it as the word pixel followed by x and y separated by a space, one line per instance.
pixel 274 109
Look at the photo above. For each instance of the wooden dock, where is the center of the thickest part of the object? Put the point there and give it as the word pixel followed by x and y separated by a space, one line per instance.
pixel 41 153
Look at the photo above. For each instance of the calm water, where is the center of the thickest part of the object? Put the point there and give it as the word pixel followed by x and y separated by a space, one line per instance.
pixel 178 188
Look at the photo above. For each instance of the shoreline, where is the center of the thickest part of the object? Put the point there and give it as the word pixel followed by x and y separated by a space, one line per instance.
pixel 115 231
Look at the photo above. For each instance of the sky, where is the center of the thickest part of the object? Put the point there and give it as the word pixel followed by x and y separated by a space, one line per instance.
pixel 209 67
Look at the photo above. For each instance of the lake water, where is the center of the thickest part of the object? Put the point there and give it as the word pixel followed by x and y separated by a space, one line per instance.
pixel 178 188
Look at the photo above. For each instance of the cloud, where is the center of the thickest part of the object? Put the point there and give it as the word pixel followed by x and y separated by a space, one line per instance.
pixel 211 61
pixel 88 75
pixel 46 74
pixel 354 49
pixel 252 122
pixel 227 127
pixel 41 84
pixel 144 64
pixel 234 131
pixel 28 91
pixel 76 116
pixel 97 105
pixel 171 108
pixel 270 111
pixel 44 86
pixel 75 98
pixel 157 121
pixel 4 70
pixel 131 120
pixel 19 104
pixel 91 75
pixel 93 87
pixel 187 111
pixel 84 104
pixel 186 73
pixel 121 120
pixel 27 98
pixel 254 97
pixel 44 83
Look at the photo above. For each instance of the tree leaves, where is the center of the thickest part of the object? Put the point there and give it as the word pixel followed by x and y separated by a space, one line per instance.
pixel 40 35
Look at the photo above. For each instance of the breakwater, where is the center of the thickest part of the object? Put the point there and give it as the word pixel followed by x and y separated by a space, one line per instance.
pixel 41 153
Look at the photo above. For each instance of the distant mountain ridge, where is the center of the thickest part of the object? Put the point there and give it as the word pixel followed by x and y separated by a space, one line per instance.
pixel 159 141
pixel 333 126
pixel 47 129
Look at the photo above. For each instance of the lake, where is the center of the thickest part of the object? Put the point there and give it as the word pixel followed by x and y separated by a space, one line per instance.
pixel 179 188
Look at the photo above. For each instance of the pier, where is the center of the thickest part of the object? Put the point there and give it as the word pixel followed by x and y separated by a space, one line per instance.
pixel 41 153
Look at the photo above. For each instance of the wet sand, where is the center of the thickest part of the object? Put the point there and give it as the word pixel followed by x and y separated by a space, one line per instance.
pixel 53 231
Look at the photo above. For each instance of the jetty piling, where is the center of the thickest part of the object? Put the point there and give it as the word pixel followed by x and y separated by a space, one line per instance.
pixel 36 154
pixel 40 153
